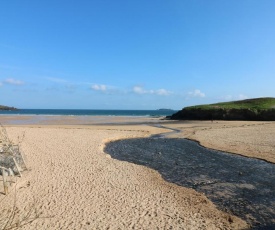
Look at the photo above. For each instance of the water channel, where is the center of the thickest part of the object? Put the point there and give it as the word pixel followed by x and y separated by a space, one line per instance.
pixel 238 185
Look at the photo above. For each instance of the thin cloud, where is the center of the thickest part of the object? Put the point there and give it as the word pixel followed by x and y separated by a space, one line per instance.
pixel 98 87
pixel 162 92
pixel 141 90
pixel 234 98
pixel 12 81
pixel 196 93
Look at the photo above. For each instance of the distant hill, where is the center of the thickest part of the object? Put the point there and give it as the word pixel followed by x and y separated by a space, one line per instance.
pixel 257 109
pixel 165 109
pixel 2 107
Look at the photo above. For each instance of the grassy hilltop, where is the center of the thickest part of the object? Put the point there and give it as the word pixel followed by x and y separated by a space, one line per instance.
pixel 258 109
pixel 256 103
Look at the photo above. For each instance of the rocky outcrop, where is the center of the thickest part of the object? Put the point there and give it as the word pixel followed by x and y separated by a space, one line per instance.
pixel 225 114
pixel 2 107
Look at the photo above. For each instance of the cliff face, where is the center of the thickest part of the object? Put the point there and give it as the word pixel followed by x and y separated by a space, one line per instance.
pixel 225 114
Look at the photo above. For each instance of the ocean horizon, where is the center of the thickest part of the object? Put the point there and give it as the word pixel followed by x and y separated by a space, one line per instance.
pixel 88 112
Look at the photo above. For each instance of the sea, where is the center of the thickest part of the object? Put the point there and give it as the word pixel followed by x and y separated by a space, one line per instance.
pixel 89 112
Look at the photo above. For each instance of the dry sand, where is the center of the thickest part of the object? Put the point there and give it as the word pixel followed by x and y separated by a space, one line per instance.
pixel 77 186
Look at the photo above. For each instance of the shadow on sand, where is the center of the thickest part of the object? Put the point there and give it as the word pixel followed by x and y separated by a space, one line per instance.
pixel 239 185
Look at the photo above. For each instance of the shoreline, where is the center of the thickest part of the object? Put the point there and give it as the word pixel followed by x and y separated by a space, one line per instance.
pixel 261 148
pixel 243 141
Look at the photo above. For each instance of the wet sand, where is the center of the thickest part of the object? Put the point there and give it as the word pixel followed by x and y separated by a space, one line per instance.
pixel 248 138
pixel 75 183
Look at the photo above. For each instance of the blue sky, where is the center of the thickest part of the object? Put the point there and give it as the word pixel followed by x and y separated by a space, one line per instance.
pixel 135 54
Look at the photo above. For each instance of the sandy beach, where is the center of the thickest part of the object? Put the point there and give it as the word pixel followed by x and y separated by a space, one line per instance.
pixel 248 138
pixel 74 184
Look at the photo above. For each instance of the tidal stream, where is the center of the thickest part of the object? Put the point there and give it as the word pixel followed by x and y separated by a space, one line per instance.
pixel 239 185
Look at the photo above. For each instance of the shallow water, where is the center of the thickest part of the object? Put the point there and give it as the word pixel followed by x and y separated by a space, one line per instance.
pixel 239 185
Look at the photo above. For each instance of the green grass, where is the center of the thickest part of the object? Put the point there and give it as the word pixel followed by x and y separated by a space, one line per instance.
pixel 257 104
